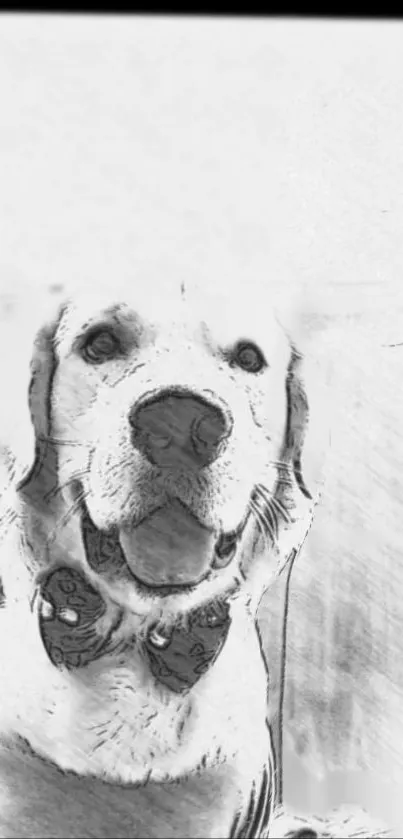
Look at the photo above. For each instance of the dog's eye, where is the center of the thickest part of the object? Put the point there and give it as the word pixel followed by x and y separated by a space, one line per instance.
pixel 101 346
pixel 248 357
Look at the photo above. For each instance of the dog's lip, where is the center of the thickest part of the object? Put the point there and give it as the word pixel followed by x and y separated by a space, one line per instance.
pixel 226 546
pixel 166 590
pixel 224 552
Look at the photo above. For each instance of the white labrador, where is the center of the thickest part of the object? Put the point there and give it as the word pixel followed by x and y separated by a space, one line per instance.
pixel 165 492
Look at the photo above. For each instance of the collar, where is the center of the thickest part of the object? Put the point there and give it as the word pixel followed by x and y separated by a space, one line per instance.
pixel 69 613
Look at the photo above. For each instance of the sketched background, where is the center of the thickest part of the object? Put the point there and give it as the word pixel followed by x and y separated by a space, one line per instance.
pixel 248 151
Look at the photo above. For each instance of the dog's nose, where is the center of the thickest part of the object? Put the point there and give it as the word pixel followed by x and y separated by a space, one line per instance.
pixel 179 428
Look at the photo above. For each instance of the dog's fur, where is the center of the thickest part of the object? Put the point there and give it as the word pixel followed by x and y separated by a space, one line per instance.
pixel 112 720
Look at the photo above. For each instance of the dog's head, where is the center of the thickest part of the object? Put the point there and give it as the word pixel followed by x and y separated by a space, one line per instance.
pixel 169 443
pixel 161 474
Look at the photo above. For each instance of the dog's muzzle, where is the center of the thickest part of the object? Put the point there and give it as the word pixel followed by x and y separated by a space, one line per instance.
pixel 178 433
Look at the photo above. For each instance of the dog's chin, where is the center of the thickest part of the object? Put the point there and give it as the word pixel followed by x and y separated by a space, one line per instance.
pixel 167 552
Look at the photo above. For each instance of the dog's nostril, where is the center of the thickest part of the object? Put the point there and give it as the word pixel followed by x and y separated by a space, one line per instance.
pixel 208 430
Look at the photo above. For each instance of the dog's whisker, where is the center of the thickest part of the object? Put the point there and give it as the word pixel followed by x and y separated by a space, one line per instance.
pixel 261 491
pixel 262 520
pixel 288 482
pixel 281 464
pixel 274 502
pixel 103 724
pixel 271 517
pixel 202 483
pixel 65 442
pixel 76 476
pixel 68 515
pixel 264 497
pixel 267 493
pixel 259 520
pixel 267 525
pixel 268 511
pixel 281 509
pixel 125 462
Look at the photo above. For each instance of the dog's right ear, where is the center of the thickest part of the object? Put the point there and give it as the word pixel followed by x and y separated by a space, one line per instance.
pixel 27 367
pixel 41 477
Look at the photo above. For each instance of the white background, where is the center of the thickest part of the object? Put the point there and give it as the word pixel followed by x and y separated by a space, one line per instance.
pixel 231 151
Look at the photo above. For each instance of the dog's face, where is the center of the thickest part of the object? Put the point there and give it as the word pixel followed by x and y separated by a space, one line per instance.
pixel 168 442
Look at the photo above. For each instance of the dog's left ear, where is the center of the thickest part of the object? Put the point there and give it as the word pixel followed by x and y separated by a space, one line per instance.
pixel 297 419
pixel 309 397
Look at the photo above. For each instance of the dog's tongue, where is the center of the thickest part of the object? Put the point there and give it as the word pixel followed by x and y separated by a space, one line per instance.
pixel 170 547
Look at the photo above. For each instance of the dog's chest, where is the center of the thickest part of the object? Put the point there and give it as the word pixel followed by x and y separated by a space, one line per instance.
pixel 37 800
pixel 162 733
pixel 112 719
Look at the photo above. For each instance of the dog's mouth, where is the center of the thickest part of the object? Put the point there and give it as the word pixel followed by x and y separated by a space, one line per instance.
pixel 170 551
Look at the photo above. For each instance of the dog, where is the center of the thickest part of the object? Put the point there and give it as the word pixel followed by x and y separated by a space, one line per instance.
pixel 160 493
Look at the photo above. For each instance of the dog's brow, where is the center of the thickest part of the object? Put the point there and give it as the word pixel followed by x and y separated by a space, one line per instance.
pixel 223 342
pixel 117 315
